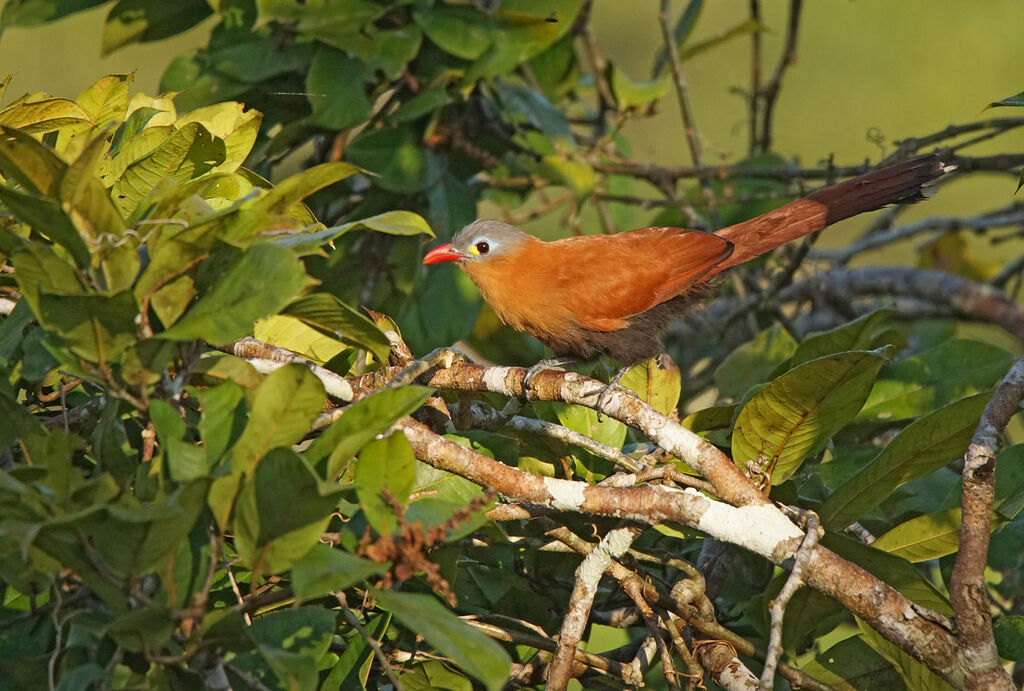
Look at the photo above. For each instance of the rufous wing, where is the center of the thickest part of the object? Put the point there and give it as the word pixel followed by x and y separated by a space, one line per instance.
pixel 607 279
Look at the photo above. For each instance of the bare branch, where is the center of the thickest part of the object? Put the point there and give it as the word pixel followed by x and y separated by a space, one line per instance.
pixel 1010 216
pixel 762 529
pixel 588 575
pixel 770 93
pixel 789 588
pixel 685 106
pixel 968 592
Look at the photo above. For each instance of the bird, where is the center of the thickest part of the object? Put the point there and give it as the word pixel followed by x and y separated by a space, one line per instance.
pixel 613 295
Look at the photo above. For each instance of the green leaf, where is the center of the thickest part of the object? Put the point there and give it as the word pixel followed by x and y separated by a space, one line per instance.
pixel 459 31
pixel 657 382
pixel 922 447
pixel 336 84
pixel 132 21
pixel 397 156
pixel 915 675
pixel 852 664
pixel 284 407
pixel 40 117
pixel 95 327
pixel 331 316
pixel 393 223
pixel 950 371
pixel 530 105
pixel 260 282
pixel 353 666
pixel 292 642
pixel 469 649
pixel 282 511
pixel 1009 632
pixel 856 335
pixel 361 423
pixel 144 629
pixel 794 416
pixel 324 569
pixel 630 94
pixel 386 465
pixel 681 32
pixel 744 28
pixel 232 123
pixel 132 538
pixel 1016 100
pixel 293 189
pixel 47 218
pixel 578 177
pixel 223 419
pixel 753 362
pixel 35 12
pixel 1010 481
pixel 29 162
pixel 926 537
pixel 185 155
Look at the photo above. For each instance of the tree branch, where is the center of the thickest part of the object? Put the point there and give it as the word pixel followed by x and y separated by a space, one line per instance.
pixel 967 589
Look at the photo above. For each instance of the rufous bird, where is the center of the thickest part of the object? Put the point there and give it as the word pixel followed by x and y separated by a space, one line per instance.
pixel 595 295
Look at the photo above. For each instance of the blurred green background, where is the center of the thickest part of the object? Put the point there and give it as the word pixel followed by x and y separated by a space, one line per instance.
pixel 868 73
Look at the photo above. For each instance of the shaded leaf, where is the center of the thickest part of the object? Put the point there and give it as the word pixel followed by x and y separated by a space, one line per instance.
pixel 386 465
pixel 950 371
pixel 260 282
pixel 469 649
pixel 1009 632
pixel 361 423
pixel 324 569
pixel 281 512
pixel 753 362
pixel 923 446
pixel 131 21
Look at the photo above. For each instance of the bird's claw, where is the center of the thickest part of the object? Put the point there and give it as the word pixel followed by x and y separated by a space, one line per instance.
pixel 606 392
pixel 554 363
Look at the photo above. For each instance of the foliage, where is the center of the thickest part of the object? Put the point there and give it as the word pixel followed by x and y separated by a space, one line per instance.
pixel 170 511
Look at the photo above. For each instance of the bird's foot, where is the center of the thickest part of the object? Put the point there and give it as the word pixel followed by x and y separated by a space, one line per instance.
pixel 555 363
pixel 514 405
pixel 606 392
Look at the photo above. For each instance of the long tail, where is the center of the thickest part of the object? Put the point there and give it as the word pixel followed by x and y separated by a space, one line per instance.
pixel 903 182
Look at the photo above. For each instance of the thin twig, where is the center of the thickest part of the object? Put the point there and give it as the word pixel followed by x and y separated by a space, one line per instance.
pixel 778 605
pixel 771 90
pixel 754 105
pixel 370 640
pixel 686 107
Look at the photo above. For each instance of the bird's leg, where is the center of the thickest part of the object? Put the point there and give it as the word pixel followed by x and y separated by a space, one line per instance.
pixel 607 390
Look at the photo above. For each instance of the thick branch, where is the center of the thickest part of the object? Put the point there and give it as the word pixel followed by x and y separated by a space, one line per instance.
pixel 551 385
pixel 761 529
pixel 968 592
pixel 588 575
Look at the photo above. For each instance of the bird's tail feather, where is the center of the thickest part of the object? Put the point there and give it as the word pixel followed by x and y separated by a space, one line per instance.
pixel 904 182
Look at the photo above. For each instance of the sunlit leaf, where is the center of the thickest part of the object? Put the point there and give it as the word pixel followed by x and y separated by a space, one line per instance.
pixel 795 415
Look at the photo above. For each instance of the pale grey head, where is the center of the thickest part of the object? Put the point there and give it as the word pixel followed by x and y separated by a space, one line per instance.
pixel 482 239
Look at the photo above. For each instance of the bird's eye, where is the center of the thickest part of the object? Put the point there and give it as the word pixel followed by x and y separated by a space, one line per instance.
pixel 482 247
